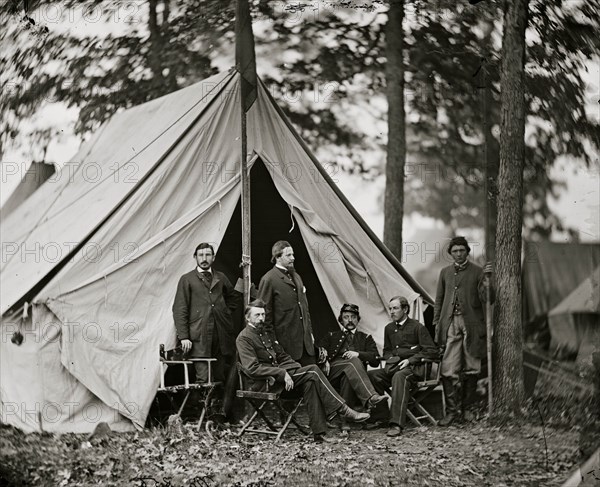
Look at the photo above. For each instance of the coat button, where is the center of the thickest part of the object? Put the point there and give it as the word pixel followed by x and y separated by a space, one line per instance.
pixel 213 305
pixel 455 287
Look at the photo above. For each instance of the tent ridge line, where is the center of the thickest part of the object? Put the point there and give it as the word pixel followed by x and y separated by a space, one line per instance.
pixel 379 244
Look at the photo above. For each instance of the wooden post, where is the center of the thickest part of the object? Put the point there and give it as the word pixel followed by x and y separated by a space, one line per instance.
pixel 246 249
pixel 489 329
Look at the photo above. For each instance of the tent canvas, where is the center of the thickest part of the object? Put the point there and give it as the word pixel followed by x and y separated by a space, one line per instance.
pixel 575 322
pixel 101 262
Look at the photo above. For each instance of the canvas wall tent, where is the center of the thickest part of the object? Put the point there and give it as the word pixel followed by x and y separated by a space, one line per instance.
pixel 101 261
pixel 551 271
pixel 575 322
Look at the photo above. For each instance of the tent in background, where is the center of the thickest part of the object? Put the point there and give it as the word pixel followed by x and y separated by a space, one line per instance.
pixel 551 271
pixel 575 322
pixel 93 259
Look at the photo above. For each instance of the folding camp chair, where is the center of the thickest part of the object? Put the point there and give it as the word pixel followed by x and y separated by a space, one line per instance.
pixel 206 389
pixel 423 394
pixel 258 399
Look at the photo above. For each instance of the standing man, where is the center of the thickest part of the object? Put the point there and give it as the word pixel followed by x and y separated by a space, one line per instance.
pixel 262 358
pixel 405 343
pixel 460 327
pixel 202 311
pixel 286 306
pixel 349 351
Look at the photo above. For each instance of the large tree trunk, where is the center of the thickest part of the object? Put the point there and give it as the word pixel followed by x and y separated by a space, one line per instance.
pixel 508 373
pixel 396 148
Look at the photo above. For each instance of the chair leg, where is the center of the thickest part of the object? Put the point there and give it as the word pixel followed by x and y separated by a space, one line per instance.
pixel 413 418
pixel 187 395
pixel 248 423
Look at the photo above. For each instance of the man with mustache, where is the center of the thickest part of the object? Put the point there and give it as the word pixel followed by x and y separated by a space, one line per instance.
pixel 286 306
pixel 262 358
pixel 202 311
pixel 349 351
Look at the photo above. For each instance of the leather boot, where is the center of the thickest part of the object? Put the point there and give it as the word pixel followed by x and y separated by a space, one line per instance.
pixel 451 402
pixel 469 397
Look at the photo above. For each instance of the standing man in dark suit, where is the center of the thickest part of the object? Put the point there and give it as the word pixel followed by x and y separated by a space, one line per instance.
pixel 349 351
pixel 202 311
pixel 405 343
pixel 286 306
pixel 263 358
pixel 459 322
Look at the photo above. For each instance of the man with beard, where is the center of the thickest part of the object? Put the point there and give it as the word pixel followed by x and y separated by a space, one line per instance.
pixel 348 352
pixel 202 311
pixel 262 357
pixel 286 306
pixel 405 343
pixel 459 323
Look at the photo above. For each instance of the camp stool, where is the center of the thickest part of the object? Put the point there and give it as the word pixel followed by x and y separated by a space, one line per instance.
pixel 206 389
pixel 259 399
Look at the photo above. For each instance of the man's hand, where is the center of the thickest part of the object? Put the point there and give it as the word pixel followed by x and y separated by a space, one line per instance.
pixel 326 367
pixel 289 383
pixel 186 345
pixel 322 355
pixel 487 268
pixel 350 354
pixel 404 363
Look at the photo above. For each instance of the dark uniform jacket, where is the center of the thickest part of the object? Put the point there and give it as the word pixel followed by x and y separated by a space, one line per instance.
pixel 408 341
pixel 467 288
pixel 286 311
pixel 338 342
pixel 261 355
pixel 201 308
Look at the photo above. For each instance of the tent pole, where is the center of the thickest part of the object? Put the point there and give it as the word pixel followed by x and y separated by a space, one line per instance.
pixel 245 178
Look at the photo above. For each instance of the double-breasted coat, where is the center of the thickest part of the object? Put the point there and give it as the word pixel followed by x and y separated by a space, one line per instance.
pixel 202 308
pixel 336 343
pixel 286 311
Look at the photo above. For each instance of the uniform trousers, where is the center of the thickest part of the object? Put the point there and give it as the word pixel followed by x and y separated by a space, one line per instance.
pixel 321 398
pixel 400 383
pixel 457 358
pixel 350 378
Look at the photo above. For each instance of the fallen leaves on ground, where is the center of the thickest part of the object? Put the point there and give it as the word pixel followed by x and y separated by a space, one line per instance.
pixel 476 455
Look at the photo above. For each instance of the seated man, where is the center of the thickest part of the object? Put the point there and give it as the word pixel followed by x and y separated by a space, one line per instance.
pixel 261 357
pixel 348 351
pixel 405 343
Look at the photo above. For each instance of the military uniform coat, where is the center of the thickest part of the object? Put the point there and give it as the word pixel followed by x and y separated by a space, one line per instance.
pixel 336 343
pixel 286 311
pixel 465 286
pixel 202 308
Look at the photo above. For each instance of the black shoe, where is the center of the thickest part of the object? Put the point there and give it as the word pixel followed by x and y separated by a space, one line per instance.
pixel 377 424
pixel 352 415
pixel 447 420
pixel 323 439
pixel 395 430
pixel 376 399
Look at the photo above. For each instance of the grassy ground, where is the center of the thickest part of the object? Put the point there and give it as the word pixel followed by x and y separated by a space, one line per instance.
pixel 473 455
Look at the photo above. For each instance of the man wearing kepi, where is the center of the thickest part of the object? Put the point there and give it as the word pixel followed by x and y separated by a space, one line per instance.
pixel 348 351
pixel 286 306
pixel 406 342
pixel 460 327
pixel 261 357
pixel 202 311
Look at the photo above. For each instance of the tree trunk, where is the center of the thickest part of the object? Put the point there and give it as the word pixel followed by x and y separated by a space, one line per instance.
pixel 396 148
pixel 508 373
pixel 491 155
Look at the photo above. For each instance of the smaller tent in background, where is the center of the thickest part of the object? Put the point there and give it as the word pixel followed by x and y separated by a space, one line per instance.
pixel 36 175
pixel 575 322
pixel 551 272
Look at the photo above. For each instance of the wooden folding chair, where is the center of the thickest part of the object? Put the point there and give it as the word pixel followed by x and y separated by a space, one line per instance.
pixel 206 389
pixel 423 390
pixel 258 399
